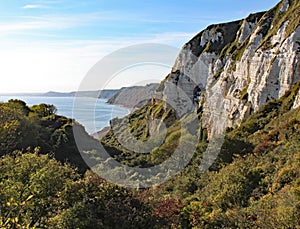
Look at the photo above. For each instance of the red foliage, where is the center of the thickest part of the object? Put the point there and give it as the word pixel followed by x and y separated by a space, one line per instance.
pixel 169 209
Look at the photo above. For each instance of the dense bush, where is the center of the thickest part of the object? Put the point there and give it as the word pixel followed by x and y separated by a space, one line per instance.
pixel 39 192
pixel 254 183
pixel 23 127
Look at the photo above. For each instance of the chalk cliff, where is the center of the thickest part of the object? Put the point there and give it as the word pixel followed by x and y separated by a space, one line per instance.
pixel 229 70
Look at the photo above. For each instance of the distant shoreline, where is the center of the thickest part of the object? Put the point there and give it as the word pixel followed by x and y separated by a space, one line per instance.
pixel 104 94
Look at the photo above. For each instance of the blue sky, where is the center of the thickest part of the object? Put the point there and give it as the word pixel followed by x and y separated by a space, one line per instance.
pixel 51 44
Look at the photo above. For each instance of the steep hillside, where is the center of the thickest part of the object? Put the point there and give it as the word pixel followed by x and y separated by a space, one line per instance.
pixel 229 70
pixel 135 96
pixel 23 127
pixel 224 74
pixel 241 78
pixel 253 183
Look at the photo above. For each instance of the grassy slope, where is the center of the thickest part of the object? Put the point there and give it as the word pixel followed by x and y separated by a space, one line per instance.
pixel 255 182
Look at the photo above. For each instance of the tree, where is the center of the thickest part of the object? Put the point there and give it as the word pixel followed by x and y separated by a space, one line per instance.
pixel 44 110
pixel 30 185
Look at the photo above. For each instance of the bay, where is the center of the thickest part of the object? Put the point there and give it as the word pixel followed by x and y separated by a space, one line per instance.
pixel 102 112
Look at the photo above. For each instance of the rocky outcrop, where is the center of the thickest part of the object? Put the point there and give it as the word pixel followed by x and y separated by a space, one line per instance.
pixel 229 70
pixel 134 97
pixel 297 101
pixel 100 134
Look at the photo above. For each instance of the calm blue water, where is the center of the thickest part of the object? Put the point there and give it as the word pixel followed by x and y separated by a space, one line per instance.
pixel 91 113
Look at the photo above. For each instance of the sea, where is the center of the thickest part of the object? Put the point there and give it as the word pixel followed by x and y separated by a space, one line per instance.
pixel 93 114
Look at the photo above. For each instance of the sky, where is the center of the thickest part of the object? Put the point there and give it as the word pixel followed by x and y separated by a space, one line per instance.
pixel 50 45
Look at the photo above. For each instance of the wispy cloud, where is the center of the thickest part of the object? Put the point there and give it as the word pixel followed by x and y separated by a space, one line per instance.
pixel 6 28
pixel 41 23
pixel 55 21
pixel 32 6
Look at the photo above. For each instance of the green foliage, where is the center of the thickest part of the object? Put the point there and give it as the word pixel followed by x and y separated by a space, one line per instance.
pixel 98 204
pixel 29 187
pixel 244 94
pixel 253 183
pixel 292 16
pixel 218 74
pixel 239 51
pixel 38 192
pixel 255 178
pixel 139 124
pixel 23 127
pixel 13 121
pixel 43 110
pixel 268 29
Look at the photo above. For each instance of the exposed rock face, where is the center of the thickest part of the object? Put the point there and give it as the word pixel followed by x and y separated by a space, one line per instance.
pixel 297 101
pixel 229 70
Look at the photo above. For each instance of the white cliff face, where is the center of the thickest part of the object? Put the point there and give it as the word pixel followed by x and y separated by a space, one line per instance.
pixel 297 101
pixel 235 88
pixel 246 29
pixel 210 35
pixel 285 6
pixel 261 74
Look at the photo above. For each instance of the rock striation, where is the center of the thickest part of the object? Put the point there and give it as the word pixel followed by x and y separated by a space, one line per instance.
pixel 229 70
